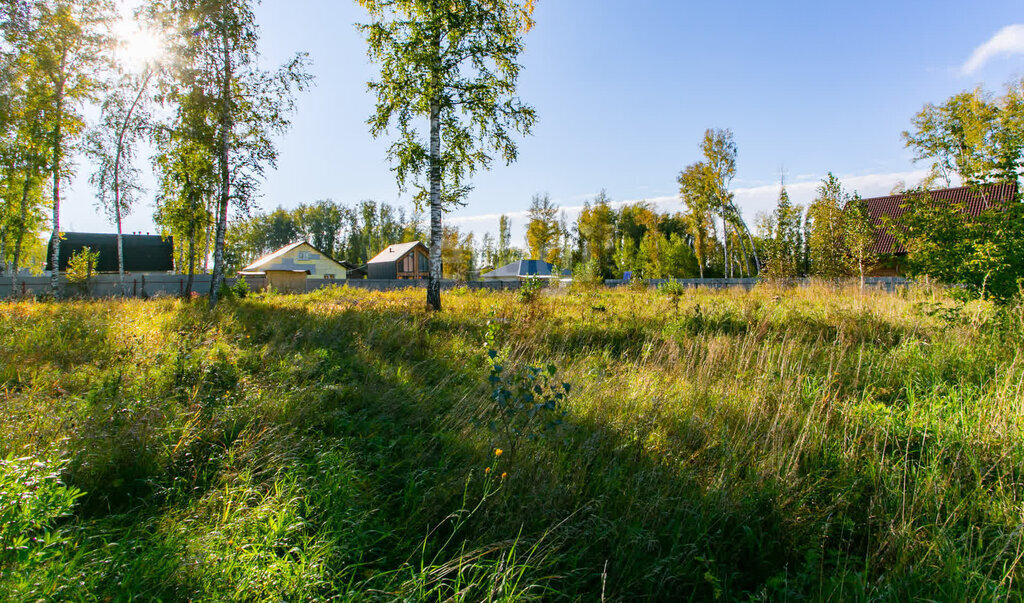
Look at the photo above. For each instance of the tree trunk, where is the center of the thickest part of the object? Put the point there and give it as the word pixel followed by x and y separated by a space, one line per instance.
pixel 206 234
pixel 434 283
pixel 117 177
pixel 20 236
pixel 225 172
pixel 56 147
pixel 191 261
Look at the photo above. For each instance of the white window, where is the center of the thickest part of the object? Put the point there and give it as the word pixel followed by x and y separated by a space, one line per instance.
pixel 328 277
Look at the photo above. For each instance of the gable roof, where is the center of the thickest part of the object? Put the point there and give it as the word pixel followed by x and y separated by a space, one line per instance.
pixel 271 257
pixel 142 253
pixel 975 200
pixel 521 268
pixel 393 253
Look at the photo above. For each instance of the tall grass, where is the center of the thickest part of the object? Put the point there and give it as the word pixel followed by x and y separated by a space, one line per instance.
pixel 810 443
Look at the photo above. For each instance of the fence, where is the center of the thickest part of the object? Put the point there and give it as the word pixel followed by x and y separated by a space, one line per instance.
pixel 150 285
pixel 888 283
pixel 153 285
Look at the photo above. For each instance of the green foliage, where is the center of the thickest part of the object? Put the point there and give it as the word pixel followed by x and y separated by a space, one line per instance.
pixel 32 502
pixel 529 403
pixel 972 135
pixel 239 290
pixel 82 266
pixel 782 238
pixel 530 289
pixel 984 254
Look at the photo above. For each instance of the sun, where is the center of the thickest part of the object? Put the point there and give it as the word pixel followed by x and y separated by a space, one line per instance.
pixel 138 47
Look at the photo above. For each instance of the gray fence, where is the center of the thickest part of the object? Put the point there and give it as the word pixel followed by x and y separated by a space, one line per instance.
pixel 150 285
pixel 888 283
pixel 106 285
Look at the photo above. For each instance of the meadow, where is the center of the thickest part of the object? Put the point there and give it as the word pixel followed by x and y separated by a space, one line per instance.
pixel 818 443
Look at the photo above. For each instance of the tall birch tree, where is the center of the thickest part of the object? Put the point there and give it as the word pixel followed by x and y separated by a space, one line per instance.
pixel 452 66
pixel 70 43
pixel 216 47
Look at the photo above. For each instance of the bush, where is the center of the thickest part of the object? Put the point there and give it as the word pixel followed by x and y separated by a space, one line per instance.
pixel 32 500
pixel 530 290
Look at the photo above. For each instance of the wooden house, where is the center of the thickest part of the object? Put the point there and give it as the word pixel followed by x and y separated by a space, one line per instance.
pixel 402 261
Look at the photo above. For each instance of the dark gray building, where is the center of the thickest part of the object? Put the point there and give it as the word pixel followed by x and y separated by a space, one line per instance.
pixel 142 253
pixel 402 261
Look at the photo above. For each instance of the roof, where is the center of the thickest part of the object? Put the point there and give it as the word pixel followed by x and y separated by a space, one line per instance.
pixel 393 253
pixel 142 253
pixel 975 201
pixel 270 257
pixel 520 269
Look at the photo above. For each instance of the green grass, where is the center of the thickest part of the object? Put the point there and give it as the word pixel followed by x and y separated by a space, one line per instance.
pixel 781 444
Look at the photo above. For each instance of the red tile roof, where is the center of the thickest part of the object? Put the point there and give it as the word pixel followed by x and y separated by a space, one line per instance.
pixel 975 200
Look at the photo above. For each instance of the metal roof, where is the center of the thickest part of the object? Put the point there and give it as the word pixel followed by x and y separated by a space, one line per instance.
pixel 142 253
pixel 521 269
pixel 393 253
pixel 975 200
pixel 270 257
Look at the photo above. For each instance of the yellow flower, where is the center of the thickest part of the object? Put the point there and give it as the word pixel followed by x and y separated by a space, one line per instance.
pixel 504 475
pixel 498 451
pixel 487 470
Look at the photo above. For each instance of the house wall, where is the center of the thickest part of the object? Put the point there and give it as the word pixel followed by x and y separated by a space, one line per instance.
pixel 305 257
pixel 382 271
pixel 420 265
pixel 287 281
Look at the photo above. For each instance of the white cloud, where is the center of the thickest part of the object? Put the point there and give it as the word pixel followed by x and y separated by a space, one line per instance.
pixel 1007 41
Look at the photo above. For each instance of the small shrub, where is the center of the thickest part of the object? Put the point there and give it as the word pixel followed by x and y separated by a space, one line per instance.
pixel 32 501
pixel 530 290
pixel 82 267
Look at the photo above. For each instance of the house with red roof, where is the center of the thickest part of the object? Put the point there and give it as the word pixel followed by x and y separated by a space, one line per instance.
pixel 973 201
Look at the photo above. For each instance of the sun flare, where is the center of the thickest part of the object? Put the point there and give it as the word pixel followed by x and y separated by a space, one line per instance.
pixel 139 47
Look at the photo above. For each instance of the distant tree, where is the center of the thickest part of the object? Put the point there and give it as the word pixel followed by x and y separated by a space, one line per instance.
pixel 454 66
pixel 596 228
pixel 458 254
pixel 783 246
pixel 973 136
pixel 980 139
pixel 698 196
pixel 25 97
pixel 542 231
pixel 859 236
pixel 112 146
pixel 320 223
pixel 827 239
pixel 504 243
pixel 186 184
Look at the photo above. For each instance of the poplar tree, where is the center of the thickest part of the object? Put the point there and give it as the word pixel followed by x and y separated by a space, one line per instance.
pixel 451 65
pixel 543 233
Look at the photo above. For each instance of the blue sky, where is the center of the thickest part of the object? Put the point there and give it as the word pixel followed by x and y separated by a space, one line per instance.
pixel 625 90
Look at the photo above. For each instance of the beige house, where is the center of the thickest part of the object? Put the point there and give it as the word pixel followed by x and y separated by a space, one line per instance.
pixel 288 268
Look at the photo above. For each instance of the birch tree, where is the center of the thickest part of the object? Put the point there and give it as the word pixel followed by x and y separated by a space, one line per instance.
pixel 216 47
pixel 70 44
pixel 451 66
pixel 112 145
